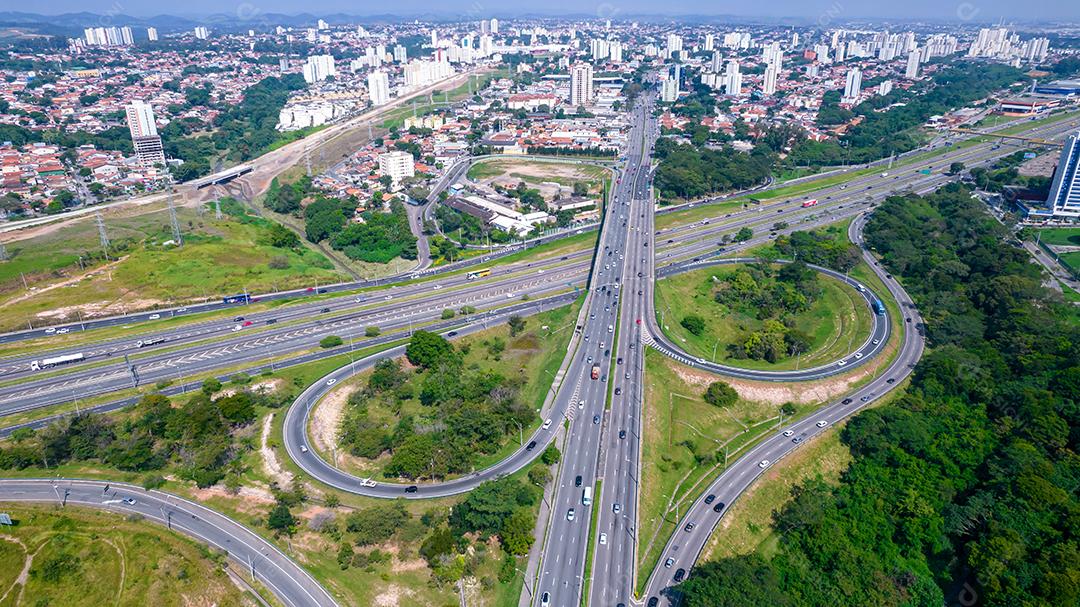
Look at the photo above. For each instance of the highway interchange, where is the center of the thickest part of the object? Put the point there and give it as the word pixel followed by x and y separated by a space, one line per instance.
pixel 620 292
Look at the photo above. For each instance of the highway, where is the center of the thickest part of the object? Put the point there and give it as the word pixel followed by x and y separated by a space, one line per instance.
pixel 685 545
pixel 289 582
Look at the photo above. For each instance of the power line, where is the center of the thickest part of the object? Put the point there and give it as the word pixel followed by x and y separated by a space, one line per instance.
pixel 177 236
pixel 217 209
pixel 101 234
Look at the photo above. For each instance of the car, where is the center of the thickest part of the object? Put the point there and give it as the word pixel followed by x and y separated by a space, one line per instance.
pixel 890 380
pixel 271 321
pixel 367 482
pixel 788 432
pixel 622 433
pixel 581 404
pixel 181 310
pixel 653 602
pixel 618 391
pixel 841 363
pixel 679 575
pixel 689 527
pixel 865 399
pixel 545 599
pixel 331 381
pixel 589 360
pixel 388 297
pixel 452 334
pixel 877 341
pixel 596 419
pixel 50 330
pixel 858 355
pixel 603 539
pixel 616 508
pixel 908 319
pixel 718 507
pixel 710 498
pixel 303 449
pixel 577 481
pixel 437 287
pixel 763 464
pixel 63 331
pixel 822 424
pixel 155 316
pixel 530 446
pixel 619 361
pixel 607 353
pixel 797 440
pixel 248 323
pixel 130 501
pixel 238 319
pixel 570 514
pixel 846 401
pixel 411 489
pixel 547 423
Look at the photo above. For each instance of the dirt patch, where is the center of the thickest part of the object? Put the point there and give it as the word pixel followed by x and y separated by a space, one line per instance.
pixel 391 597
pixel 249 500
pixel 326 418
pixel 271 464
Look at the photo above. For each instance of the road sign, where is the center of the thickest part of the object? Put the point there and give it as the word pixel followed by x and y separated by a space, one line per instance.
pixel 5 519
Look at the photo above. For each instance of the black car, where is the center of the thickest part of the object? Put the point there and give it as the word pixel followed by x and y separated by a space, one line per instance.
pixel 411 489
pixel 272 321
pixel 689 527
pixel 530 446
pixel 451 334
pixel 622 433
pixel 680 574
pixel 324 310
pixel 238 319
pixel 846 401
pixel 890 380
pixel 653 602
pixel 619 361
pixel 618 391
pixel 710 498
pixel 577 481
pixel 718 507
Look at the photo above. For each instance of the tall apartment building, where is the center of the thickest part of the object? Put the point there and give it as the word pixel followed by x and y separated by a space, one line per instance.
pixel 151 34
pixel 397 164
pixel 201 32
pixel 401 54
pixel 852 86
pixel 732 79
pixel 144 135
pixel 1064 200
pixel 108 36
pixel 378 88
pixel 912 70
pixel 319 68
pixel 768 83
pixel 581 85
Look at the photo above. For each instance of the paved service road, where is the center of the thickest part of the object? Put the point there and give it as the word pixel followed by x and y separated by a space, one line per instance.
pixel 281 575
pixel 684 547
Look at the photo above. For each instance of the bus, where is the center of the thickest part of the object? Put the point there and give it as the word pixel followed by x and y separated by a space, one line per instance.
pixel 879 309
pixel 810 203
pixel 234 299
pixel 478 274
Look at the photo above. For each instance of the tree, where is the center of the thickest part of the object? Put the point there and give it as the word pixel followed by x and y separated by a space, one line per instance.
pixel 744 234
pixel 517 531
pixel 581 188
pixel 281 519
pixel 720 394
pixel 427 349
pixel 378 523
pixel 956 168
pixel 372 331
pixel 551 455
pixel 693 323
pixel 517 325
pixel 330 341
pixel 211 385
pixel 447 314
pixel 539 475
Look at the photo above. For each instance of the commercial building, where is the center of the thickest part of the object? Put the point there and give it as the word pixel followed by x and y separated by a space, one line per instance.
pixel 1064 200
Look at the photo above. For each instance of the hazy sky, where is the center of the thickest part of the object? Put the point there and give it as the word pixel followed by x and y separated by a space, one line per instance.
pixel 815 10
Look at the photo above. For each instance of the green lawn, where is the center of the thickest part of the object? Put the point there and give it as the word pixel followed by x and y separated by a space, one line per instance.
pixel 683 447
pixel 84 557
pixel 1060 236
pixel 837 322
pixel 218 257
pixel 1072 260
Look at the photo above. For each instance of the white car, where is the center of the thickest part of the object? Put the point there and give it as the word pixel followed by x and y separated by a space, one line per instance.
pixel 62 331
pixel 547 424
pixel 331 381
pixel 763 464
pixel 303 449
pixel 858 355
pixel 603 539
pixel 877 341
pixel 822 424
pixel 437 287
pixel 509 295
pixel 788 432
pixel 155 316
pixel 616 508
pixel 358 299
pixel 581 404
pixel 841 363
pixel 388 297
pixel 367 482
pixel 570 514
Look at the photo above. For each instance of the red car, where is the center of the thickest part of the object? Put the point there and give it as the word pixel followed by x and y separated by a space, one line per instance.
pixel 248 323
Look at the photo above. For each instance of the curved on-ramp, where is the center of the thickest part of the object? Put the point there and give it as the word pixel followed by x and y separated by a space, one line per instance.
pixel 289 582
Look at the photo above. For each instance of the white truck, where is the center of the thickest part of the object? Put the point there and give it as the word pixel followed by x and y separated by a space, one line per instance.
pixel 45 363
pixel 586 496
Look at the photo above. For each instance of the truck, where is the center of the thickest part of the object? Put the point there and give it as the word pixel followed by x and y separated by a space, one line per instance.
pixel 586 496
pixel 809 203
pixel 242 298
pixel 596 371
pixel 142 343
pixel 45 363
pixel 879 309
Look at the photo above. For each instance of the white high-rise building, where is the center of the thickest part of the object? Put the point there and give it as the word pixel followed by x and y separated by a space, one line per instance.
pixel 319 68
pixel 615 51
pixel 794 39
pixel 1064 199
pixel 108 36
pixel 710 42
pixel 322 25
pixel 852 86
pixel 398 165
pixel 400 54
pixel 885 87
pixel 912 70
pixel 378 88
pixel 822 52
pixel 674 44
pixel 151 34
pixel 717 63
pixel 494 27
pixel 144 134
pixel 669 90
pixel 581 85
pixel 434 38
pixel 732 79
pixel 768 83
pixel 201 32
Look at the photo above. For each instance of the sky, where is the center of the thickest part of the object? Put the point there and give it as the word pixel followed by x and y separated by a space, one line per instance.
pixel 959 11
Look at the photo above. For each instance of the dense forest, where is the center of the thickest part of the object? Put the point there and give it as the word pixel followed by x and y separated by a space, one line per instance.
pixel 690 172
pixel 964 490
pixel 466 411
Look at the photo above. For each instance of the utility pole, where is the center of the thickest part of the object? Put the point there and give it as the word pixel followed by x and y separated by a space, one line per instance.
pixel 307 159
pixel 134 372
pixel 102 235
pixel 4 253
pixel 177 236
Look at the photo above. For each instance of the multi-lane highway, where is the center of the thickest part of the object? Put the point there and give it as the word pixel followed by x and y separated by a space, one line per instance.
pixel 290 583
pixel 696 526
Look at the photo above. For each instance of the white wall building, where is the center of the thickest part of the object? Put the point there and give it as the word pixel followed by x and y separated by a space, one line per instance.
pixel 378 88
pixel 397 164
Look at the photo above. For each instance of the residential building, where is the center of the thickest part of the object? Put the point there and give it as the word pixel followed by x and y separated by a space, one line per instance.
pixel 201 32
pixel 733 79
pixel 144 135
pixel 151 34
pixel 319 68
pixel 852 86
pixel 581 85
pixel 378 87
pixel 398 165
pixel 1064 200
pixel 912 70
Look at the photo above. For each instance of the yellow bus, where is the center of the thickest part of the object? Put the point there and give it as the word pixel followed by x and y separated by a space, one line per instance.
pixel 478 274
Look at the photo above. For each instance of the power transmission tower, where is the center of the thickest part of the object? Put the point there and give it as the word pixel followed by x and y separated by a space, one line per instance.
pixel 177 236
pixel 217 209
pixel 3 252
pixel 307 159
pixel 101 233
